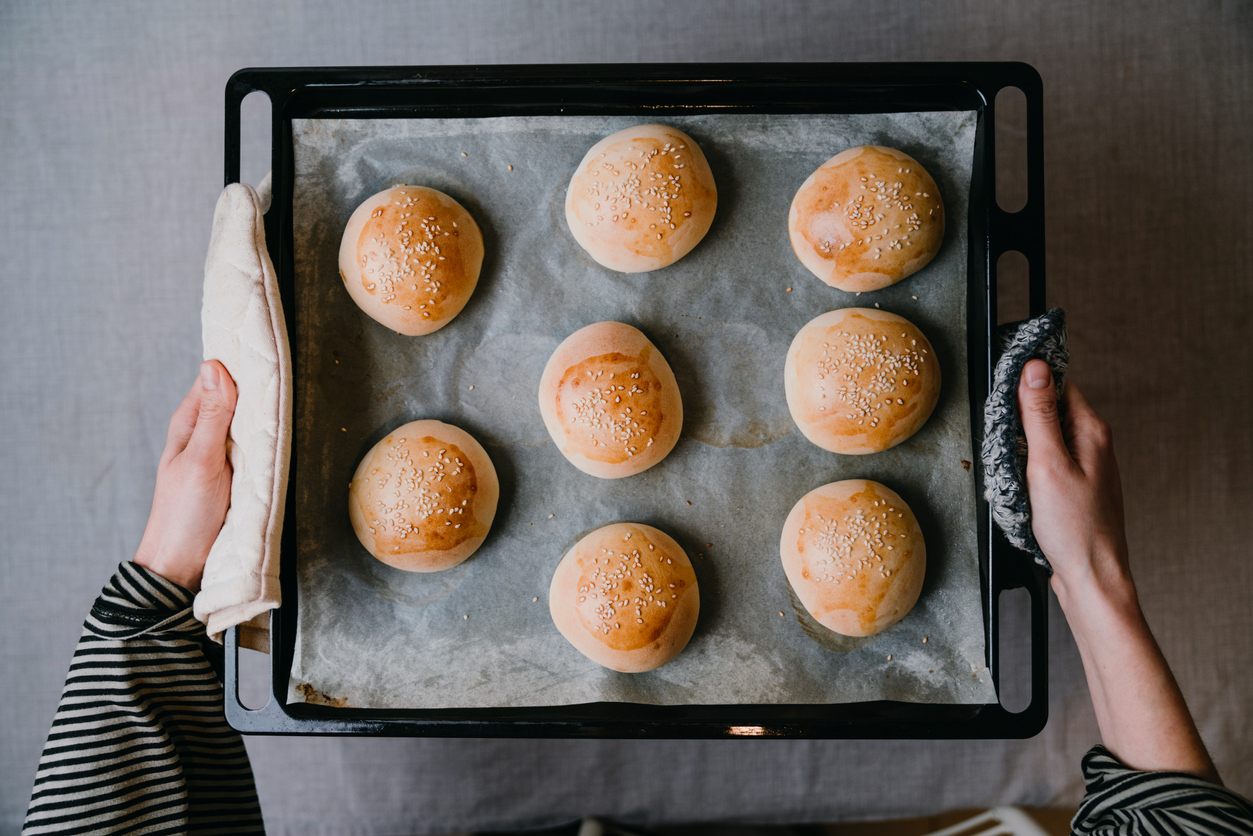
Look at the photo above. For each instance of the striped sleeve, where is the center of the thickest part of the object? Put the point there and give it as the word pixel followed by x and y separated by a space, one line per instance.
pixel 140 742
pixel 1121 801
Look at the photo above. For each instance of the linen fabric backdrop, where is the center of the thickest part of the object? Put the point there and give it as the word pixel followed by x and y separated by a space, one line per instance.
pixel 111 124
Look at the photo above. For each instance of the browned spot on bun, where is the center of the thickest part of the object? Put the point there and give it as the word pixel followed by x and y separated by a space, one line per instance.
pixel 623 583
pixel 626 597
pixel 424 497
pixel 410 258
pixel 866 219
pixel 419 495
pixel 641 198
pixel 860 380
pixel 610 401
pixel 612 406
pixel 854 555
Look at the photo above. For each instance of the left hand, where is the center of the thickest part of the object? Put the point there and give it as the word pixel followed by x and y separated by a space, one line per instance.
pixel 193 482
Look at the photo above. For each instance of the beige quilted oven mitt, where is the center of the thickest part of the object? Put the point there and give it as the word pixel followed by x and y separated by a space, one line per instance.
pixel 242 321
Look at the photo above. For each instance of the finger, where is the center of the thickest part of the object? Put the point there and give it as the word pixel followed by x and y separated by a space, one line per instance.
pixel 1037 403
pixel 182 423
pixel 216 408
pixel 1087 434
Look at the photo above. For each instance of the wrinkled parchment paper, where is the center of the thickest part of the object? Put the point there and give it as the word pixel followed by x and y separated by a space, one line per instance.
pixel 480 634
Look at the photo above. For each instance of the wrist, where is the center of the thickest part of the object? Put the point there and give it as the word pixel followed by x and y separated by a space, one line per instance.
pixel 175 571
pixel 1098 586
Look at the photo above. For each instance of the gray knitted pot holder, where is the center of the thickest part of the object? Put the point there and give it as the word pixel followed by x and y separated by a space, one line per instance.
pixel 1004 445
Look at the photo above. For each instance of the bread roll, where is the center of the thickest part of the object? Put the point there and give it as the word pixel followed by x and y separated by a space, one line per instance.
pixel 625 596
pixel 610 401
pixel 410 258
pixel 855 556
pixel 424 497
pixel 641 199
pixel 867 218
pixel 860 380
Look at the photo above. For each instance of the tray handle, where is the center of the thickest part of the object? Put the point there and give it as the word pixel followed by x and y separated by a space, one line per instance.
pixel 1021 231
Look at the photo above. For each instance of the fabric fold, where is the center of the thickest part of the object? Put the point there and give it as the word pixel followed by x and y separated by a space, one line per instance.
pixel 244 328
pixel 1004 450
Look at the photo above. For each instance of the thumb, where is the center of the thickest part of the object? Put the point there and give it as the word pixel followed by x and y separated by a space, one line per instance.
pixel 217 407
pixel 1037 403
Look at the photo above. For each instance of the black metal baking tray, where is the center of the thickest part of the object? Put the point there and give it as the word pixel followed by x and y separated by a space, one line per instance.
pixel 655 90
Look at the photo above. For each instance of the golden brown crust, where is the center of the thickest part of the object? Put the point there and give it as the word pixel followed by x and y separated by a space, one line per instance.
pixel 626 597
pixel 641 198
pixel 867 218
pixel 424 497
pixel 610 401
pixel 860 380
pixel 410 258
pixel 855 556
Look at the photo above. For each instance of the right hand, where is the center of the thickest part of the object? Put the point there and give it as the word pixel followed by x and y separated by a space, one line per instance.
pixel 1076 514
pixel 1073 483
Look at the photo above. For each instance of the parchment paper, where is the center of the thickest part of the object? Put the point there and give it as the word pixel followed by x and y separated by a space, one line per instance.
pixel 480 634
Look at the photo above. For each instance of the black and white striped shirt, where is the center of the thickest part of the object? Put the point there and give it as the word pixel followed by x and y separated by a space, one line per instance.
pixel 1121 802
pixel 140 742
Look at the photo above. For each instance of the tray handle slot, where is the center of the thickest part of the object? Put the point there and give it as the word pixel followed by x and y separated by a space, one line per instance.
pixel 1011 149
pixel 1013 287
pixel 1015 572
pixel 1021 230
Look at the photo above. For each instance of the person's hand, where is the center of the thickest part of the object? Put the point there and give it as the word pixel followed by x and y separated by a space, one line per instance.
pixel 193 482
pixel 1073 483
pixel 1077 518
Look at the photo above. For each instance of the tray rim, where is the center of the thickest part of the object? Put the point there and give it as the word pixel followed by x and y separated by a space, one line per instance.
pixel 657 89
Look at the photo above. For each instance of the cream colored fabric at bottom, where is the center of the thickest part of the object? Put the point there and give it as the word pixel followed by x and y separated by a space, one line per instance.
pixel 243 327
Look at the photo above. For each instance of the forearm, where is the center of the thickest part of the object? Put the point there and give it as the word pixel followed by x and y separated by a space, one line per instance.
pixel 1140 710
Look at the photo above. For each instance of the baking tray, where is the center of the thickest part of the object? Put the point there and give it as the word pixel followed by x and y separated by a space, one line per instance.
pixel 654 91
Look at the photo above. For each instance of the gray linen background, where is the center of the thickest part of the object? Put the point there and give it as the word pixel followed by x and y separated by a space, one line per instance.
pixel 111 161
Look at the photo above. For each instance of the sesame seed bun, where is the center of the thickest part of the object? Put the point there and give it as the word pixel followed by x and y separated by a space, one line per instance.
pixel 860 380
pixel 854 555
pixel 424 497
pixel 625 596
pixel 641 199
pixel 610 401
pixel 866 219
pixel 410 258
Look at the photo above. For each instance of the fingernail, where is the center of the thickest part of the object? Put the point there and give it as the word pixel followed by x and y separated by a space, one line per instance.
pixel 208 376
pixel 1038 375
